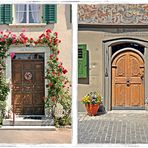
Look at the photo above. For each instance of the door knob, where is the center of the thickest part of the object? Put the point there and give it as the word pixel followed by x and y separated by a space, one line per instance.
pixel 142 77
pixel 128 82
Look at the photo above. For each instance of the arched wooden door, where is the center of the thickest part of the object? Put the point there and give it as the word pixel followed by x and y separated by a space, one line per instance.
pixel 127 80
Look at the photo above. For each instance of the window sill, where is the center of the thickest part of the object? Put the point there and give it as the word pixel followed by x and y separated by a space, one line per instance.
pixel 29 24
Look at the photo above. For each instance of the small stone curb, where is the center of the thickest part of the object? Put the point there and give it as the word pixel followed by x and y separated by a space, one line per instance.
pixel 65 127
pixel 49 128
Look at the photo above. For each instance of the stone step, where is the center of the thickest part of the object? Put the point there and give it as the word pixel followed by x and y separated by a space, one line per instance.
pixel 49 128
pixel 28 122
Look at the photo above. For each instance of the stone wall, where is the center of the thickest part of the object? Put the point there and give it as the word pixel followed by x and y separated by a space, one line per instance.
pixel 94 38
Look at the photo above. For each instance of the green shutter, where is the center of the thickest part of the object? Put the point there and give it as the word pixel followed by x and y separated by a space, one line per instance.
pixel 5 14
pixel 8 14
pixel 2 14
pixel 50 13
pixel 82 61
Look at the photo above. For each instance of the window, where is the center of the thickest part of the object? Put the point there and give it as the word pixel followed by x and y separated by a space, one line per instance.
pixel 82 61
pixel 117 47
pixel 29 56
pixel 28 13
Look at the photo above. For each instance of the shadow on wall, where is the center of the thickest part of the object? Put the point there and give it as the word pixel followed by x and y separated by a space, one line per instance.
pixel 32 29
pixel 68 14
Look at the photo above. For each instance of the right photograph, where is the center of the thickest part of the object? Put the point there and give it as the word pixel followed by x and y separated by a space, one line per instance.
pixel 113 73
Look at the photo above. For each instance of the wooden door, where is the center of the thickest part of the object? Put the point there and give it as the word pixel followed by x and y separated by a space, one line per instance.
pixel 28 87
pixel 127 80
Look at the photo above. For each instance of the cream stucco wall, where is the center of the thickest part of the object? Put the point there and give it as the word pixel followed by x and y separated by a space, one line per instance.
pixel 64 29
pixel 94 39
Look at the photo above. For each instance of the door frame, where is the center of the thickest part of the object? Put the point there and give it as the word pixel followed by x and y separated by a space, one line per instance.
pixel 107 60
pixel 24 49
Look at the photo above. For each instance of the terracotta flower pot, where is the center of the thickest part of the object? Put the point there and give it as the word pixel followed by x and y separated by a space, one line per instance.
pixel 92 109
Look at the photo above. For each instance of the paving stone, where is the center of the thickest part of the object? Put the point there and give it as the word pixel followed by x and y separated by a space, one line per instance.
pixel 124 127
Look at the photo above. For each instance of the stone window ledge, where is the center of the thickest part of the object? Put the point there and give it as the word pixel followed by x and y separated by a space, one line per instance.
pixel 29 24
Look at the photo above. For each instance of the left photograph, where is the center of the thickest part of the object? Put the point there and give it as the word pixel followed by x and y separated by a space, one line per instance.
pixel 35 73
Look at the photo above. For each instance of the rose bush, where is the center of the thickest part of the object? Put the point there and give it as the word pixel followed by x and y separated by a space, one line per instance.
pixel 58 83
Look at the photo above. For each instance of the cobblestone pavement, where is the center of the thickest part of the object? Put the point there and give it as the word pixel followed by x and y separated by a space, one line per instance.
pixel 60 136
pixel 114 127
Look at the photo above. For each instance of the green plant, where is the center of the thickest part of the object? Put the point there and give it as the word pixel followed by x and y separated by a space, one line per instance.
pixel 4 89
pixel 92 98
pixel 2 110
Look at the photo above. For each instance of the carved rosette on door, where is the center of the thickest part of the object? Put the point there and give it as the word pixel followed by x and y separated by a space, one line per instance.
pixel 28 91
pixel 128 80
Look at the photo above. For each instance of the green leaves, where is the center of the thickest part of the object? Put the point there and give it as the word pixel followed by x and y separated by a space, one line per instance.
pixel 4 89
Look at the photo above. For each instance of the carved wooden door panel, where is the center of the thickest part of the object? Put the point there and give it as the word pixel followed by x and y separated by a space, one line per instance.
pixel 28 87
pixel 127 80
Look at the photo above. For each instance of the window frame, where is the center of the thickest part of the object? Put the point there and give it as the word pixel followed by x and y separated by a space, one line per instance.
pixel 27 18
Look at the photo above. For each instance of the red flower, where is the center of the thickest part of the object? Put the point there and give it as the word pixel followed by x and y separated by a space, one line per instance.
pixel 59 74
pixel 59 66
pixel 48 31
pixel 56 41
pixel 31 39
pixel 35 43
pixel 57 59
pixel 53 98
pixel 47 37
pixel 53 73
pixel 56 34
pixel 50 84
pixel 58 51
pixel 41 36
pixel 13 41
pixel 5 36
pixel 51 56
pixel 64 71
pixel 12 55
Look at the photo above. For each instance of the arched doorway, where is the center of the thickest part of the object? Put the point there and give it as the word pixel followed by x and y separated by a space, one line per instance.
pixel 127 70
pixel 112 49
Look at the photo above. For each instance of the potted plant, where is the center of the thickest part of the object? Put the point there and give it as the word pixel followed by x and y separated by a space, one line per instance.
pixel 92 102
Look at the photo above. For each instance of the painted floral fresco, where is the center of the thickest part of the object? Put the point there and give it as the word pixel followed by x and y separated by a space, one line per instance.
pixel 113 14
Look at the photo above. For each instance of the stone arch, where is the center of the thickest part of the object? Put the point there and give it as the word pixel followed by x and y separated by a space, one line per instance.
pixel 107 54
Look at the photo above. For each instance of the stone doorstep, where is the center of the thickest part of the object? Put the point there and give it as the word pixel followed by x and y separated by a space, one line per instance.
pixel 28 122
pixel 46 128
